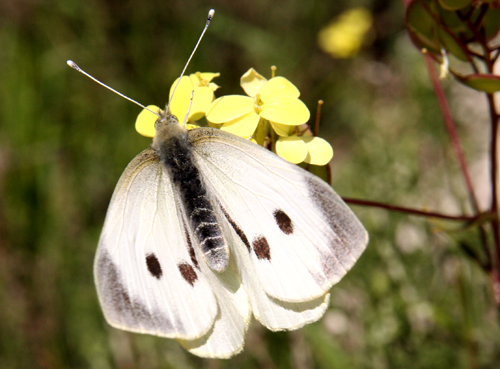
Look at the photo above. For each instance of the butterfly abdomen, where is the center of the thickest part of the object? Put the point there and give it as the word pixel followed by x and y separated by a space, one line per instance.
pixel 176 155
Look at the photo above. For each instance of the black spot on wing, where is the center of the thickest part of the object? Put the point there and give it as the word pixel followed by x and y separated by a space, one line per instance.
pixel 120 307
pixel 283 221
pixel 261 248
pixel 237 229
pixel 192 255
pixel 188 273
pixel 154 266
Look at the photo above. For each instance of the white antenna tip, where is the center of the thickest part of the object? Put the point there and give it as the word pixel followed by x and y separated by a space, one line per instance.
pixel 72 64
pixel 211 14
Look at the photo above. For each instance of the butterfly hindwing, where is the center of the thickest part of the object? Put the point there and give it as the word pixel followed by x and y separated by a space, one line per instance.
pixel 274 314
pixel 227 335
pixel 146 271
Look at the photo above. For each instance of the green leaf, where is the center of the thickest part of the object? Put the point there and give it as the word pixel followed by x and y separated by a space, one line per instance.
pixel 491 22
pixel 453 45
pixel 427 32
pixel 422 27
pixel 482 82
pixel 454 23
pixel 454 4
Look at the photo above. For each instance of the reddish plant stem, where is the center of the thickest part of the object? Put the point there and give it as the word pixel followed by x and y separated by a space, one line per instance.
pixel 457 146
pixel 493 156
pixel 494 193
pixel 495 118
pixel 452 132
pixel 411 211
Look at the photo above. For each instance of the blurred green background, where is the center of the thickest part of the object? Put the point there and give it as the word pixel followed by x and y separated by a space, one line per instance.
pixel 414 300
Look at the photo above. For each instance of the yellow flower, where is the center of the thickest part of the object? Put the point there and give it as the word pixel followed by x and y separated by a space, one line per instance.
pixel 203 95
pixel 343 38
pixel 312 150
pixel 202 87
pixel 145 122
pixel 275 100
pixel 270 103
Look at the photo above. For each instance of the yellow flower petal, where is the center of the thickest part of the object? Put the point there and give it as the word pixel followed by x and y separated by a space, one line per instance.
pixel 213 86
pixel 252 82
pixel 278 86
pixel 282 130
pixel 145 122
pixel 182 97
pixel 203 79
pixel 292 149
pixel 285 110
pixel 320 152
pixel 242 126
pixel 228 108
pixel 202 98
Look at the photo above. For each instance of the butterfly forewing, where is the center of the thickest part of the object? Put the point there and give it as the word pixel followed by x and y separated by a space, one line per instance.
pixel 145 271
pixel 291 223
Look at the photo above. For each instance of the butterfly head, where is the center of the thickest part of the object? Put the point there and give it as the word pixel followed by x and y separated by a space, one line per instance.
pixel 167 126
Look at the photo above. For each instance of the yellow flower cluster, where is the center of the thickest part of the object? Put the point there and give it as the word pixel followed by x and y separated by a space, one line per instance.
pixel 344 37
pixel 271 114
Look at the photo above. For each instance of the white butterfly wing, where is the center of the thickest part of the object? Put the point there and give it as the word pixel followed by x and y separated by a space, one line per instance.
pixel 274 314
pixel 145 271
pixel 227 336
pixel 299 235
pixel 291 238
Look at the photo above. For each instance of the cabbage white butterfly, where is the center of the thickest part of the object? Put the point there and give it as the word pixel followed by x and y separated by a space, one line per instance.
pixel 206 229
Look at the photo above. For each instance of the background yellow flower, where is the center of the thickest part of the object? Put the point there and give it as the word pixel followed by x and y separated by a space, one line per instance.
pixel 343 37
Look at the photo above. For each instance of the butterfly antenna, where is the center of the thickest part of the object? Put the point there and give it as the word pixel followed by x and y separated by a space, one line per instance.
pixel 209 19
pixel 73 65
pixel 189 109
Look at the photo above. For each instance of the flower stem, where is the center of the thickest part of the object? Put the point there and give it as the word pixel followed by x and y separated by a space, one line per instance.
pixel 452 131
pixel 457 147
pixel 402 209
pixel 495 118
pixel 494 192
